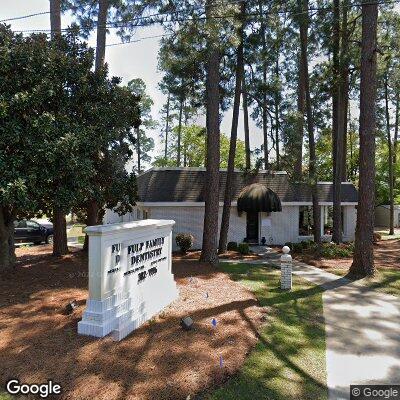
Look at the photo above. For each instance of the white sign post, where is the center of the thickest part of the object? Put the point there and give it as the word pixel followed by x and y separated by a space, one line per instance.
pixel 286 269
pixel 130 277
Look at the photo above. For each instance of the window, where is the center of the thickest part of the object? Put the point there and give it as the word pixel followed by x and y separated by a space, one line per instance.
pixel 32 225
pixel 327 215
pixel 20 224
pixel 137 214
pixel 146 214
pixel 306 221
pixel 328 219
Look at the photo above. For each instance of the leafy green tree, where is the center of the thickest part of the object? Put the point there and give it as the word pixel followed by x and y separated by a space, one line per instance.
pixel 194 149
pixel 64 132
pixel 34 128
pixel 388 104
pixel 114 112
pixel 144 144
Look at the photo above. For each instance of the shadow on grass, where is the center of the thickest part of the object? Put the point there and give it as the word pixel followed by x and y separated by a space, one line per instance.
pixel 289 360
pixel 386 280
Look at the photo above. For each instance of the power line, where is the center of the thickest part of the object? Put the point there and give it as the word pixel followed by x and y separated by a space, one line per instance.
pixel 25 16
pixel 142 20
pixel 138 40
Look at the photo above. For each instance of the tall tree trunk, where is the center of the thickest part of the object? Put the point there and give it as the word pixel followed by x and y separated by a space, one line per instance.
pixel 396 133
pixel 91 219
pixel 390 160
pixel 277 115
pixel 265 135
pixel 298 166
pixel 60 244
pixel 167 127
pixel 101 34
pixel 209 251
pixel 55 18
pixel 264 90
pixel 363 258
pixel 335 81
pixel 313 175
pixel 344 82
pixel 93 209
pixel 138 149
pixel 337 127
pixel 7 251
pixel 396 138
pixel 246 120
pixel 223 236
pixel 178 157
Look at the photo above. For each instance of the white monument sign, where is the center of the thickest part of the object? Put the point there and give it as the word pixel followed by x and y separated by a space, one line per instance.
pixel 130 277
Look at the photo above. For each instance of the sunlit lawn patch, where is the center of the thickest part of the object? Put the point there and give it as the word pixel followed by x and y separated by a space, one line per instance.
pixel 289 360
pixel 386 280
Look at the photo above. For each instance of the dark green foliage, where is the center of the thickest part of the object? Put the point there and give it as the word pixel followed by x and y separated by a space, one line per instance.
pixel 64 129
pixel 243 248
pixel 326 250
pixel 184 241
pixel 232 246
pixel 145 144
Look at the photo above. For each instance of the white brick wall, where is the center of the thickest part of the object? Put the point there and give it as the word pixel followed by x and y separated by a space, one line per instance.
pixel 190 220
pixel 382 216
pixel 283 226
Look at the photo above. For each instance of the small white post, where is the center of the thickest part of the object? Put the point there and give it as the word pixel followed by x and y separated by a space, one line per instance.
pixel 286 269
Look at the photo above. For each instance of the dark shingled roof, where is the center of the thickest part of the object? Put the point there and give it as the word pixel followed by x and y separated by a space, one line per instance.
pixel 187 184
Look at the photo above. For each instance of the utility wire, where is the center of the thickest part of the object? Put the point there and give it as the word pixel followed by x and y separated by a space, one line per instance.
pixel 142 20
pixel 25 16
pixel 138 40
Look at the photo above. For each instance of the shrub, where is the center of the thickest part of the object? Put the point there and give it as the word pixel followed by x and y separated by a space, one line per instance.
pixel 232 246
pixel 306 244
pixel 377 237
pixel 184 241
pixel 327 250
pixel 294 247
pixel 332 250
pixel 244 248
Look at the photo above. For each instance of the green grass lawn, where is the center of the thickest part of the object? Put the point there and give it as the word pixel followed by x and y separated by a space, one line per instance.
pixel 386 280
pixel 385 234
pixel 289 360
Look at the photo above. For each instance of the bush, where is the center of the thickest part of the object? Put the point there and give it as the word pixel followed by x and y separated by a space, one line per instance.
pixel 294 247
pixel 332 250
pixel 327 250
pixel 377 237
pixel 232 246
pixel 184 241
pixel 244 248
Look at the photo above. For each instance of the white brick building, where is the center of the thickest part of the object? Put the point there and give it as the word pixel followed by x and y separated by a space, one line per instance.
pixel 382 216
pixel 178 194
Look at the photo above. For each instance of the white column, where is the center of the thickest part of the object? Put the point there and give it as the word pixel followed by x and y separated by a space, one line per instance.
pixel 286 269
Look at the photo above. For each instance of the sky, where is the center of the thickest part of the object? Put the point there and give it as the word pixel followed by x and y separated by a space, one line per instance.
pixel 128 61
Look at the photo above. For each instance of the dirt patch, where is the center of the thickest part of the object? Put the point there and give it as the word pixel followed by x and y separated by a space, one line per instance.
pixel 230 255
pixel 387 255
pixel 157 361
